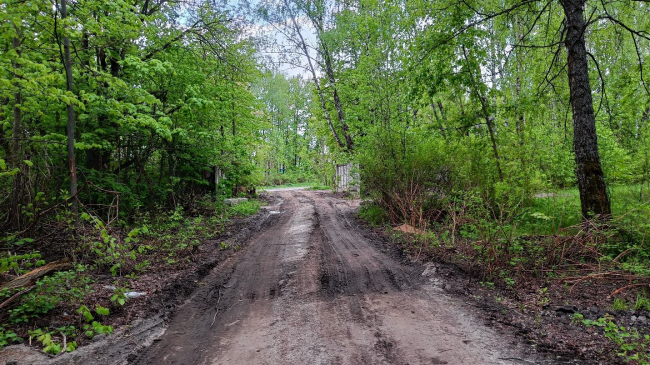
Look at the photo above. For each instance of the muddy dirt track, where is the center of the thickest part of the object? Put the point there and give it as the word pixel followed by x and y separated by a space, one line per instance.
pixel 309 288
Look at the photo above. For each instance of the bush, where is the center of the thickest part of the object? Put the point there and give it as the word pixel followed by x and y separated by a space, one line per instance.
pixel 373 214
pixel 407 184
pixel 246 208
pixel 50 291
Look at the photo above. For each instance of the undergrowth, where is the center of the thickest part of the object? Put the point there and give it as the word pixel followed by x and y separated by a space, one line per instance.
pixel 246 208
pixel 632 346
pixel 60 311
pixel 512 239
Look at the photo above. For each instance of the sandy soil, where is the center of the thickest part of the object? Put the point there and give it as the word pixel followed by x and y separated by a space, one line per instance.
pixel 310 289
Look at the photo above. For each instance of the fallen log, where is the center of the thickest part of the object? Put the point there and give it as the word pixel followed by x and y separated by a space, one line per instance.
pixel 30 277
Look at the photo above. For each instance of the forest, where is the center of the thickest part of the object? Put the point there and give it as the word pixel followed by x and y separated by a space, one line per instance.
pixel 512 136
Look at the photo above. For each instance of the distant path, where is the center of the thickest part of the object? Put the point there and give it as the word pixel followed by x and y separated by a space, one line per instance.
pixel 309 288
pixel 277 190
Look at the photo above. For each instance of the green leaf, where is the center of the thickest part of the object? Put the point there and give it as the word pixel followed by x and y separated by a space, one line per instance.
pixel 102 310
pixel 11 172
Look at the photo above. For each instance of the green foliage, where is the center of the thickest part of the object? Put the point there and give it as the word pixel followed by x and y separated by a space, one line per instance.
pixel 174 234
pixel 642 302
pixel 373 214
pixel 119 295
pixel 96 328
pixel 632 345
pixel 101 310
pixel 577 318
pixel 318 186
pixel 287 154
pixel 85 312
pixel 49 292
pixel 619 304
pixel 7 337
pixel 20 264
pixel 51 344
pixel 156 110
pixel 246 208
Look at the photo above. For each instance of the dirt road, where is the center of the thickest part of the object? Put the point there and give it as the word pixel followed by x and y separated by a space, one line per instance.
pixel 309 288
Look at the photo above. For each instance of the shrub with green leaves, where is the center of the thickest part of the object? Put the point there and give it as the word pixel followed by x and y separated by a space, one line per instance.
pixel 632 345
pixel 373 214
pixel 52 341
pixel 19 264
pixel 62 287
pixel 7 337
pixel 246 208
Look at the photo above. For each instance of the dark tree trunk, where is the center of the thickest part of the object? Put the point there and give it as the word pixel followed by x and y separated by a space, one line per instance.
pixel 16 155
pixel 591 181
pixel 349 144
pixel 97 159
pixel 440 119
pixel 234 123
pixel 521 120
pixel 68 76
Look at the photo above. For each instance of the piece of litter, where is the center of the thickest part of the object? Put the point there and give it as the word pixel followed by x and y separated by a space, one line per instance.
pixel 135 294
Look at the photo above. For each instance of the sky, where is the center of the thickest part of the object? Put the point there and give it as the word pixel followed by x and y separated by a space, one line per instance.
pixel 271 38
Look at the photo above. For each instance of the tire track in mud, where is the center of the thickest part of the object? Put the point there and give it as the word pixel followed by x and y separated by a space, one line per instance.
pixel 310 289
pixel 231 288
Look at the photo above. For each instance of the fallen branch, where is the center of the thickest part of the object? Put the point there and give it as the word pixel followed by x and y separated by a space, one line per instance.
pixel 15 296
pixel 65 344
pixel 619 290
pixel 31 276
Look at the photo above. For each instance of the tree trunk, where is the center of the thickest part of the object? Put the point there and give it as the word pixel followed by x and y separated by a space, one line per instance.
pixel 312 70
pixel 68 76
pixel 234 124
pixel 337 101
pixel 521 119
pixel 16 156
pixel 591 180
pixel 489 119
pixel 439 119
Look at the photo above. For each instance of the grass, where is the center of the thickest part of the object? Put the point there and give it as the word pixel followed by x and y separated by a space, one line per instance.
pixel 295 185
pixel 246 208
pixel 547 215
pixel 318 186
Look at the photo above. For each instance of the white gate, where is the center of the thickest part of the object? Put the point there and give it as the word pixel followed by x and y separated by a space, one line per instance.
pixel 347 177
